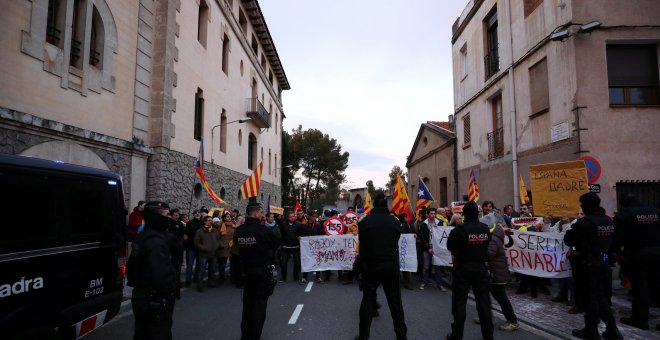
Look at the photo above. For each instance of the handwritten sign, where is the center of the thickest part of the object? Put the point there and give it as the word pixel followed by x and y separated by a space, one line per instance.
pixel 556 187
pixel 533 253
pixel 457 207
pixel 407 253
pixel 522 221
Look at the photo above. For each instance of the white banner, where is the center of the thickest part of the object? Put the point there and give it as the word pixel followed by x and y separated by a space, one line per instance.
pixel 407 253
pixel 533 253
pixel 318 253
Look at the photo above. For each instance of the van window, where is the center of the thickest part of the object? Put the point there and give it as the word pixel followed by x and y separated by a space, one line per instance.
pixel 89 208
pixel 29 214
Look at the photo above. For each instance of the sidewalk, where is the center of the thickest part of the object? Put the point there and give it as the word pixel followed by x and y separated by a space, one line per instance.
pixel 553 317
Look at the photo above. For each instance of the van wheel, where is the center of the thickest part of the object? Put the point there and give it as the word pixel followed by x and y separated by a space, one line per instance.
pixel 44 333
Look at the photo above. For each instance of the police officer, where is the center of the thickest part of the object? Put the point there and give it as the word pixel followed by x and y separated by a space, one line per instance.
pixel 637 229
pixel 379 252
pixel 592 237
pixel 152 275
pixel 468 243
pixel 256 246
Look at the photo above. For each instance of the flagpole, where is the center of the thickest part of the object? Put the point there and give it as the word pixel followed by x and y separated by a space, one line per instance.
pixel 192 194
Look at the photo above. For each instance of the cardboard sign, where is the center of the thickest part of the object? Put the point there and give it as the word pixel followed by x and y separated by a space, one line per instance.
pixel 522 221
pixel 407 253
pixel 457 207
pixel 277 210
pixel 334 226
pixel 556 187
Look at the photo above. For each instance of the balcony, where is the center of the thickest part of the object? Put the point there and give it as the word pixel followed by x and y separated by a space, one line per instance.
pixel 496 144
pixel 260 116
pixel 491 62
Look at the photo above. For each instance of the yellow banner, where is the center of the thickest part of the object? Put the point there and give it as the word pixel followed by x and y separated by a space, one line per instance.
pixel 277 210
pixel 556 187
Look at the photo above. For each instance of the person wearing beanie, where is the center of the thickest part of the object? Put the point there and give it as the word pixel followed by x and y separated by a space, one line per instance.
pixel 207 242
pixel 468 244
pixel 378 237
pixel 152 275
pixel 592 237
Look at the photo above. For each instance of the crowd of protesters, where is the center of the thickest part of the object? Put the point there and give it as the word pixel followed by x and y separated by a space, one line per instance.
pixel 206 245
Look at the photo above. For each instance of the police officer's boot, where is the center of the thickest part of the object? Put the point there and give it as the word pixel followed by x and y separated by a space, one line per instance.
pixel 584 334
pixel 612 334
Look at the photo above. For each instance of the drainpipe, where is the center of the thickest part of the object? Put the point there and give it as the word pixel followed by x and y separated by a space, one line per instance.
pixel 512 103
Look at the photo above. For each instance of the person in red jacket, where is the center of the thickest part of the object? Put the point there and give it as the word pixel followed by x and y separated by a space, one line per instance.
pixel 136 218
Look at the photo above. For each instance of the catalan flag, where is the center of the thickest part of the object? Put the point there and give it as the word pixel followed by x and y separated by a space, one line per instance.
pixel 400 201
pixel 199 170
pixel 524 199
pixel 296 208
pixel 473 188
pixel 367 204
pixel 250 187
pixel 424 198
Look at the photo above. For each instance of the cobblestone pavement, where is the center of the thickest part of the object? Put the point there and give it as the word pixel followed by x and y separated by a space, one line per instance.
pixel 553 317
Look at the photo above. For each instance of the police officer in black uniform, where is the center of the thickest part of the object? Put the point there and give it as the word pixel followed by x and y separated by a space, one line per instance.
pixel 379 253
pixel 637 229
pixel 151 273
pixel 256 245
pixel 592 238
pixel 468 244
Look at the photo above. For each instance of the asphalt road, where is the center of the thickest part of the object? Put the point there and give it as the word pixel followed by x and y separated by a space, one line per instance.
pixel 328 311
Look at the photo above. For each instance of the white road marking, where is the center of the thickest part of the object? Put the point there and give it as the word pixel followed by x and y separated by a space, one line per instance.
pixel 309 287
pixel 296 314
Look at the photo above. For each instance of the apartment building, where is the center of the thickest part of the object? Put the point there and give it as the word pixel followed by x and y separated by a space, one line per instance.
pixel 550 81
pixel 135 86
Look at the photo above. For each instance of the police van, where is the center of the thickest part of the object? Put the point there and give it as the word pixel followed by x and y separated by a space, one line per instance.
pixel 62 242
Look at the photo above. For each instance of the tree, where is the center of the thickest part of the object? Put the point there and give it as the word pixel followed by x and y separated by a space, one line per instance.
pixel 320 160
pixel 396 170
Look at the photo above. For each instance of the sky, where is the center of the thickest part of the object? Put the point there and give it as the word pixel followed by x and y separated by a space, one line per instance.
pixel 366 72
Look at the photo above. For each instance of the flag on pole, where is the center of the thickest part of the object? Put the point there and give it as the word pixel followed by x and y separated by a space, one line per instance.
pixel 400 201
pixel 199 170
pixel 473 188
pixel 268 205
pixel 367 204
pixel 297 207
pixel 424 198
pixel 524 199
pixel 250 187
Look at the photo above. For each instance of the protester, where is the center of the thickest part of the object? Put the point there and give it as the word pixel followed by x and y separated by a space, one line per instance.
pixel 528 281
pixel 256 246
pixel 174 235
pixel 405 229
pixel 525 211
pixel 291 231
pixel 379 238
pixel 638 234
pixel 456 219
pixel 207 241
pixel 566 291
pixel 592 238
pixel 189 245
pixel 427 255
pixel 468 243
pixel 227 230
pixel 432 224
pixel 153 280
pixel 136 219
pixel 417 228
pixel 499 270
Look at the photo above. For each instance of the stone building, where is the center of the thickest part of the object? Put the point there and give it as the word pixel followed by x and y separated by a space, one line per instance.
pixel 544 81
pixel 432 158
pixel 134 86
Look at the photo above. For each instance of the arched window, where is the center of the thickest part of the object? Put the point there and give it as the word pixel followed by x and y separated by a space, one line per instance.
pixel 269 159
pixel 225 54
pixel 276 165
pixel 96 40
pixel 223 132
pixel 240 137
pixel 252 151
pixel 55 22
pixel 202 22
pixel 77 34
pixel 223 193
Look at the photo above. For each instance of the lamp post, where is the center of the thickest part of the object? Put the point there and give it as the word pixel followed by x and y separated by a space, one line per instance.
pixel 240 121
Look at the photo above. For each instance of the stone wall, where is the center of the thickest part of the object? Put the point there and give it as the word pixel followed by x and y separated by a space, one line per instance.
pixel 171 177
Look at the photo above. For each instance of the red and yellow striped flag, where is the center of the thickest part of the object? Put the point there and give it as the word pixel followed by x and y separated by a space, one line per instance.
pixel 250 187
pixel 400 201
pixel 473 188
pixel 367 204
pixel 524 199
pixel 199 170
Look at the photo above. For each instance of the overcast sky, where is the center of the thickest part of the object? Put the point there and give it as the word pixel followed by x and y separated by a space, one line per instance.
pixel 366 72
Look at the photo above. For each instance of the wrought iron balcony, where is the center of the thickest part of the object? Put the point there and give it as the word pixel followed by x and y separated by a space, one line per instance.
pixel 496 144
pixel 491 62
pixel 260 116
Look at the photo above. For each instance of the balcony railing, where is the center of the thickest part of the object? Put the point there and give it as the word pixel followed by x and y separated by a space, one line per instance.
pixel 496 144
pixel 260 116
pixel 491 62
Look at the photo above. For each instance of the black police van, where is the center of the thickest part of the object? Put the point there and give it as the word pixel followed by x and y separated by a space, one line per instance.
pixel 62 243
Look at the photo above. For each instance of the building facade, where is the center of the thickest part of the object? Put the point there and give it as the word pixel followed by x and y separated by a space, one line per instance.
pixel 433 160
pixel 135 86
pixel 540 82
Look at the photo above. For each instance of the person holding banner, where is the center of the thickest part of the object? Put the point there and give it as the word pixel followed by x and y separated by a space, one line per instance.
pixel 592 237
pixel 405 229
pixel 468 243
pixel 379 251
pixel 291 232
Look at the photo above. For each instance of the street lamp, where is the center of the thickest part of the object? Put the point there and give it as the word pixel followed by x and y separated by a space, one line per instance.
pixel 239 121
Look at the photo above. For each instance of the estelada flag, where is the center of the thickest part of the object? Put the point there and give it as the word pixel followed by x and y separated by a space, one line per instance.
pixel 473 188
pixel 400 201
pixel 250 187
pixel 297 207
pixel 424 198
pixel 524 199
pixel 199 170
pixel 367 204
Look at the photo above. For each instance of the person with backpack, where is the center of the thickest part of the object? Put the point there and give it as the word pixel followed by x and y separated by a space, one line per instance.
pixel 152 275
